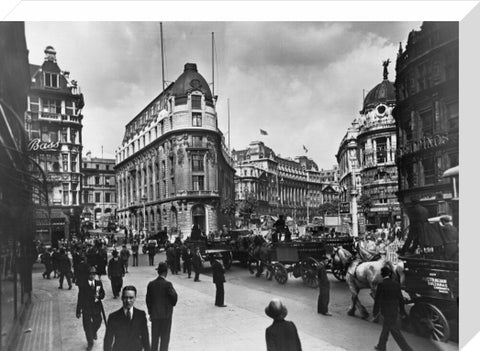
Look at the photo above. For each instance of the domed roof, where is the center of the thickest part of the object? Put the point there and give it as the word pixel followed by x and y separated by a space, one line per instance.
pixel 383 93
pixel 189 81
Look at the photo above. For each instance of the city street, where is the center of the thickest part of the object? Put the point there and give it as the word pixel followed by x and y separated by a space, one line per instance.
pixel 199 325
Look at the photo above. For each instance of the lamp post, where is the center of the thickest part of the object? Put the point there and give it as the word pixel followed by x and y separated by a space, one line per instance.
pixel 144 200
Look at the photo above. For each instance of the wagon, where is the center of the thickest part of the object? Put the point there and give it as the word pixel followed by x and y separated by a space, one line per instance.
pixel 218 248
pixel 432 287
pixel 301 258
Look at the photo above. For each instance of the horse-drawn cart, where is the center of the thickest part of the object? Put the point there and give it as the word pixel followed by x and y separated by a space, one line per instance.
pixel 301 258
pixel 432 286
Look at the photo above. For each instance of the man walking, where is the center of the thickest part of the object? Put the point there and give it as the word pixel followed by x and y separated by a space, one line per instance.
pixel 124 256
pixel 197 263
pixel 89 306
pixel 161 298
pixel 218 280
pixel 116 272
pixel 282 335
pixel 135 253
pixel 151 249
pixel 324 288
pixel 64 269
pixel 389 300
pixel 127 327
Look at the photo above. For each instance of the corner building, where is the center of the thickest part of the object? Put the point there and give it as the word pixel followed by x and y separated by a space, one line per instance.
pixel 173 169
pixel 54 126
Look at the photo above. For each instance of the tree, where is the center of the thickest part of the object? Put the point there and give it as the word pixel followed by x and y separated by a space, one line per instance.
pixel 229 208
pixel 247 206
pixel 329 207
pixel 366 203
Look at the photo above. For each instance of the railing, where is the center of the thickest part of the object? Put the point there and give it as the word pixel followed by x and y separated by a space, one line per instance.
pixel 59 116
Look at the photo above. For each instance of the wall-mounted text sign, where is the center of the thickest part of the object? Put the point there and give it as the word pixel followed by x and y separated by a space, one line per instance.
pixel 37 145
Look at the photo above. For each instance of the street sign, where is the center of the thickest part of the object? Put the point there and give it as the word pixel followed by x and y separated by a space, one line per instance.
pixel 345 207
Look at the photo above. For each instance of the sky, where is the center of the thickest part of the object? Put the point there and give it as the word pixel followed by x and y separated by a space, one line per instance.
pixel 302 82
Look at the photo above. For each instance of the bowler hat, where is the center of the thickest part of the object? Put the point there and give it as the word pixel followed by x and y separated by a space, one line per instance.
pixel 162 267
pixel 386 271
pixel 276 310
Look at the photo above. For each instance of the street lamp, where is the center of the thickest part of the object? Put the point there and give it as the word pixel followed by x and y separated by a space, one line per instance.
pixel 144 200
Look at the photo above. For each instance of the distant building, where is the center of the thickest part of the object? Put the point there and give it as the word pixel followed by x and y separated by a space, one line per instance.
pixel 99 191
pixel 173 169
pixel 279 185
pixel 427 118
pixel 367 154
pixel 54 125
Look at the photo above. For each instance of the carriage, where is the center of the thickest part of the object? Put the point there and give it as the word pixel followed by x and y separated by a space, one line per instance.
pixel 432 287
pixel 301 258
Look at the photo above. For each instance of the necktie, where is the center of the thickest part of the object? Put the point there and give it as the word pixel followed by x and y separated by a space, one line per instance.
pixel 129 316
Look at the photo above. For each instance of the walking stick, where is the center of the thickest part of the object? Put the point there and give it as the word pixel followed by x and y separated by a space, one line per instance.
pixel 103 313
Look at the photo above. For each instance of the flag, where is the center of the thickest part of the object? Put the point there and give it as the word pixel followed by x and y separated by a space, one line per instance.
pixel 304 148
pixel 263 132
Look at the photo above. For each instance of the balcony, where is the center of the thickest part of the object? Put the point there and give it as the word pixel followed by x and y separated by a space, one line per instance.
pixel 197 193
pixel 60 117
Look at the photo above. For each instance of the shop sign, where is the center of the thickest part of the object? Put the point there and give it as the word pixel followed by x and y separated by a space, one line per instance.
pixel 345 207
pixel 37 145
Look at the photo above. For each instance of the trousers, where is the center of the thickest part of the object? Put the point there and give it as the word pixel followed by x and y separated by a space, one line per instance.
pixel 161 332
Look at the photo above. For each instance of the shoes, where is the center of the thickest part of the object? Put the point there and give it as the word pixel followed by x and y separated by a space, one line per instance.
pixel 326 314
pixel 378 348
pixel 221 305
pixel 95 336
pixel 69 287
pixel 60 287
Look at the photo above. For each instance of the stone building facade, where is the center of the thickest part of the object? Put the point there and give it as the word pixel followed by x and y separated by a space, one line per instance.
pixel 173 169
pixel 427 116
pixel 54 125
pixel 294 188
pixel 99 191
pixel 367 154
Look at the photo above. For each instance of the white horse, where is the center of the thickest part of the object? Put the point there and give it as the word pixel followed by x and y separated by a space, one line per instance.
pixel 365 275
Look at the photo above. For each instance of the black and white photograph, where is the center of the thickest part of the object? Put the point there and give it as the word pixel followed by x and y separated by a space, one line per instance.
pixel 216 184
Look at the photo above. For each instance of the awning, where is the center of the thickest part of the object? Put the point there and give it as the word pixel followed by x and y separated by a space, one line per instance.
pixel 451 172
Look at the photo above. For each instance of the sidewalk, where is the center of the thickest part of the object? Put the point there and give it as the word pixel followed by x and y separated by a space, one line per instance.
pixel 197 324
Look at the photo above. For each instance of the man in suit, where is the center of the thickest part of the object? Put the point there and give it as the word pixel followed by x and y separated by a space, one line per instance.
pixel 282 335
pixel 218 280
pixel 89 306
pixel 127 328
pixel 64 269
pixel 116 272
pixel 161 298
pixel 389 300
pixel 324 288
pixel 197 263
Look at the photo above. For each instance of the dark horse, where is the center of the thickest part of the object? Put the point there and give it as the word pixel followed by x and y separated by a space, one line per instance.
pixel 258 252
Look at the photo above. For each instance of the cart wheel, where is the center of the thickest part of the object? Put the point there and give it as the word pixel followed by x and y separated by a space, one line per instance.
pixel 338 271
pixel 280 273
pixel 310 273
pixel 429 321
pixel 227 260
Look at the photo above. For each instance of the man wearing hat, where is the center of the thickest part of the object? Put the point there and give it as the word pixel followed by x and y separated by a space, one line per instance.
pixel 389 300
pixel 282 335
pixel 161 298
pixel 450 238
pixel 89 306
pixel 116 272
pixel 218 279
pixel 324 288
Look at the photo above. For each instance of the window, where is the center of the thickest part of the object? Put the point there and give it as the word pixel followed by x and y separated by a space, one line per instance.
pixel 196 102
pixel 97 197
pixel 428 171
pixel 107 197
pixel 107 167
pixel 97 166
pixel 97 180
pixel 52 106
pixel 85 197
pixel 196 119
pixel 73 163
pixel 65 162
pixel 197 163
pixel 70 108
pixel 197 183
pixel 427 123
pixel 381 150
pixel 51 80
pixel 65 193
pixel 197 141
pixel 453 115
pixel 64 136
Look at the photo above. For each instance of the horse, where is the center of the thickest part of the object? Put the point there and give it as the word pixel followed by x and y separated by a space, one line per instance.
pixel 259 253
pixel 365 275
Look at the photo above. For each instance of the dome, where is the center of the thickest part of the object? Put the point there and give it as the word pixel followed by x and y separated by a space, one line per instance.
pixel 190 80
pixel 383 93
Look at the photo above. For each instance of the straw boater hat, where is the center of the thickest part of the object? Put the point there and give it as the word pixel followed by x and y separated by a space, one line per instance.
pixel 276 310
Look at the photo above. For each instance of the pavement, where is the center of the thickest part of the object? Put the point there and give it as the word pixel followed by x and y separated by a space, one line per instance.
pixel 197 324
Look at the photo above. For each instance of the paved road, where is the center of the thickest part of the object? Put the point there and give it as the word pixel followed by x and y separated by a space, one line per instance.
pixel 199 325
